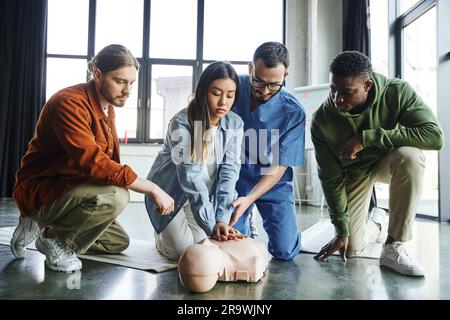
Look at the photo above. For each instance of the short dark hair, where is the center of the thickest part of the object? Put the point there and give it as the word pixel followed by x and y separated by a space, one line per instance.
pixel 351 63
pixel 272 54
pixel 112 57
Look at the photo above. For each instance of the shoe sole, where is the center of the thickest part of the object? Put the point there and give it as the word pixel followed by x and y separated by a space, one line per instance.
pixel 17 250
pixel 387 263
pixel 62 269
pixel 18 253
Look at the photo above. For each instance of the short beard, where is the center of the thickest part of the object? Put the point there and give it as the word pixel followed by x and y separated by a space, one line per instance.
pixel 255 95
pixel 108 98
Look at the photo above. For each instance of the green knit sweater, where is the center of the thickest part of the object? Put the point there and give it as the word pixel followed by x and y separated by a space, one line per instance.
pixel 396 116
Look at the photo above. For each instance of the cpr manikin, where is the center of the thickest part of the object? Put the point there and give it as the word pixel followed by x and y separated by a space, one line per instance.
pixel 209 261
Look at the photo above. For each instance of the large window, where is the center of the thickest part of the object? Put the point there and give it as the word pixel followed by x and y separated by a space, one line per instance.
pixel 67 42
pixel 120 22
pixel 173 29
pixel 234 28
pixel 171 89
pixel 405 5
pixel 414 31
pixel 379 35
pixel 419 69
pixel 173 40
pixel 67 27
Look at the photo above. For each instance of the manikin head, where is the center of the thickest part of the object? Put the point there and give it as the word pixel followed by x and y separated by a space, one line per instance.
pixel 209 261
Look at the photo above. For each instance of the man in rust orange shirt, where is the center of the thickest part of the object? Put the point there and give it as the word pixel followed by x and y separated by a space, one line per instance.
pixel 71 186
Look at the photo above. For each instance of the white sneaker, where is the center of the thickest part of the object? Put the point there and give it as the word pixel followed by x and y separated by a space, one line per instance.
pixel 25 233
pixel 379 216
pixel 59 256
pixel 394 256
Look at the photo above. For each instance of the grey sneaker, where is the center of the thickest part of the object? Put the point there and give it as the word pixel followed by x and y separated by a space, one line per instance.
pixel 379 216
pixel 394 256
pixel 25 233
pixel 58 256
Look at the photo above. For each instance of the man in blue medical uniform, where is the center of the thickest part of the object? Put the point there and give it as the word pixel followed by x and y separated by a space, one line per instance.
pixel 274 142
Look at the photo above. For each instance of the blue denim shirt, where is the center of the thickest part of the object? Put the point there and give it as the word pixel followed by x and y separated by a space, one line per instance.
pixel 176 173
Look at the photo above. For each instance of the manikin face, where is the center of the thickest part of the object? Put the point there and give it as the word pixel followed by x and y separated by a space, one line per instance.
pixel 114 87
pixel 221 95
pixel 349 92
pixel 266 82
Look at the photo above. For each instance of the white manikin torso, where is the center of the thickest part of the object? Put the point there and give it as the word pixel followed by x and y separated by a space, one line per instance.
pixel 209 261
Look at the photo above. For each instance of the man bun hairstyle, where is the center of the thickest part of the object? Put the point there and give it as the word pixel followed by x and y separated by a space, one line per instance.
pixel 112 57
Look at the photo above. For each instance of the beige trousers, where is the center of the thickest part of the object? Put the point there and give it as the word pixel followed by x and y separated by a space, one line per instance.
pixel 179 234
pixel 84 217
pixel 402 168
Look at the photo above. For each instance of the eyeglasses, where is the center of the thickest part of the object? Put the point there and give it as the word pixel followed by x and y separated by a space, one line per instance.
pixel 273 87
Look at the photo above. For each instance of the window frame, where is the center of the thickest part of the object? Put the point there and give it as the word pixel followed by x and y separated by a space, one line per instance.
pixel 146 62
pixel 397 24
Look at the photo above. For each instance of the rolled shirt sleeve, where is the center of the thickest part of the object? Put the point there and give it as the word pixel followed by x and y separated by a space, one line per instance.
pixel 229 173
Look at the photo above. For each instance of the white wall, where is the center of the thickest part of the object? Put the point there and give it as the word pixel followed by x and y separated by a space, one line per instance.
pixel 297 30
pixel 314 38
pixel 329 37
pixel 140 158
pixel 443 99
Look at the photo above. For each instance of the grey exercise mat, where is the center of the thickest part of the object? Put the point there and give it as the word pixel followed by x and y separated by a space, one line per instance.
pixel 140 254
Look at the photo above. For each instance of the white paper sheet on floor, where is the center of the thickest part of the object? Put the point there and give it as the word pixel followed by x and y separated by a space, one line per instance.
pixel 319 234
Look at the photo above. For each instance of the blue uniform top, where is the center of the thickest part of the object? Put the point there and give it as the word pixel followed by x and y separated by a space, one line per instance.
pixel 274 134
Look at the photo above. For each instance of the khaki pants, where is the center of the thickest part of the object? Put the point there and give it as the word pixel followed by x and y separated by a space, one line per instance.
pixel 84 217
pixel 179 234
pixel 402 168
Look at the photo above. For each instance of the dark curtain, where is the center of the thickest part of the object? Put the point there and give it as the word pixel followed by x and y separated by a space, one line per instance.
pixel 356 36
pixel 356 33
pixel 23 43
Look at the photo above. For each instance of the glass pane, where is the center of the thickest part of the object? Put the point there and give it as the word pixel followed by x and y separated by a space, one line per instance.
pixel 62 73
pixel 419 62
pixel 240 68
pixel 173 29
pixel 405 5
pixel 420 71
pixel 171 90
pixel 67 27
pixel 252 23
pixel 379 33
pixel 119 22
pixel 126 116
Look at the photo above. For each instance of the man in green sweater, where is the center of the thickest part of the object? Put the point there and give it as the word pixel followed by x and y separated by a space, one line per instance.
pixel 372 128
